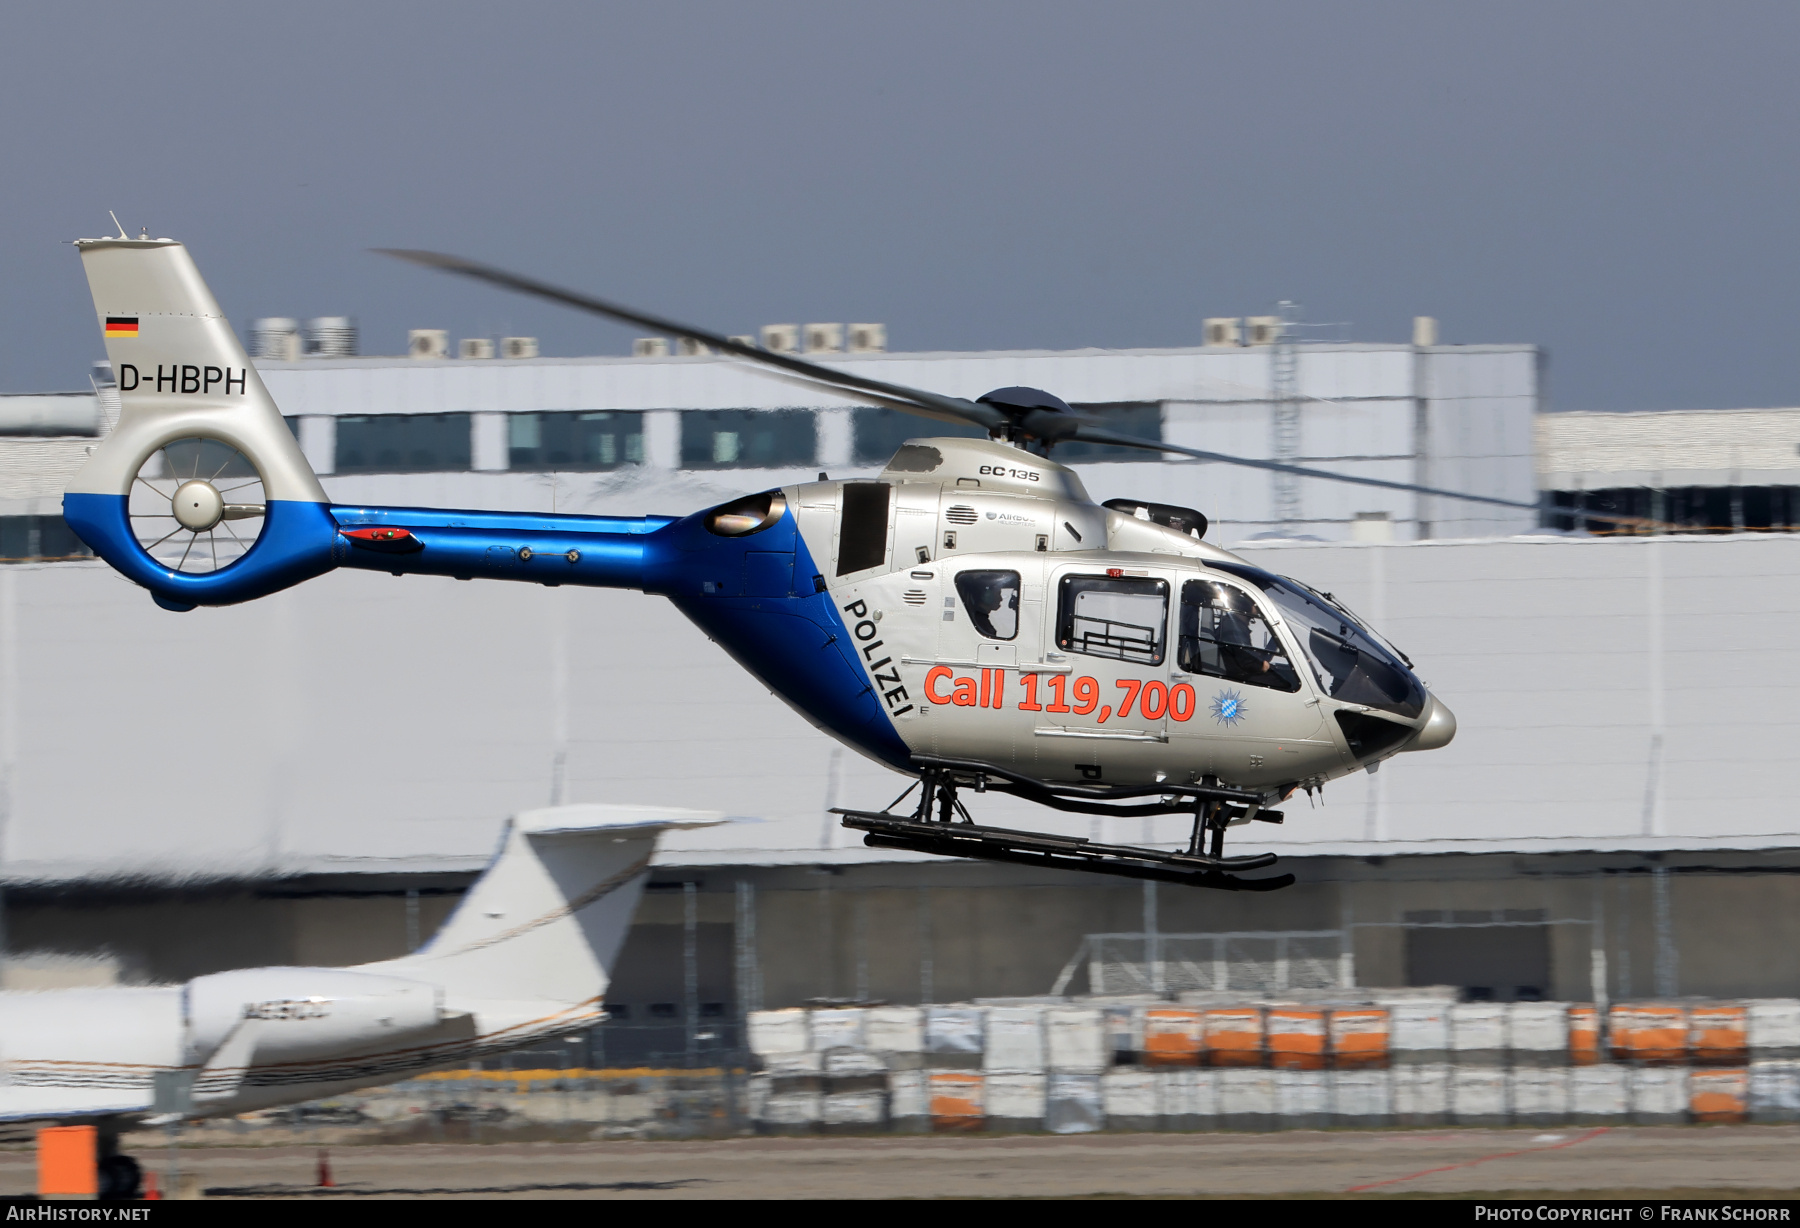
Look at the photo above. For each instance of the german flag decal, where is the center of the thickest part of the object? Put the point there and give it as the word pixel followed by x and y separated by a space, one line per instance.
pixel 121 326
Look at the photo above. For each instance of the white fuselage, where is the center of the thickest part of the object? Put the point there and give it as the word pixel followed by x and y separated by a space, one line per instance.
pixel 1051 693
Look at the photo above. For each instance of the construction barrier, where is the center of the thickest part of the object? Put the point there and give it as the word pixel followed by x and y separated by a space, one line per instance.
pixel 1070 1065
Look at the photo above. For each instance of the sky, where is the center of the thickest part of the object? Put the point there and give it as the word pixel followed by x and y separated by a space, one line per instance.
pixel 1616 182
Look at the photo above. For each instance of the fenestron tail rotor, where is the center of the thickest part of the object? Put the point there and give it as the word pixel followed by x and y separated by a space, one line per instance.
pixel 197 505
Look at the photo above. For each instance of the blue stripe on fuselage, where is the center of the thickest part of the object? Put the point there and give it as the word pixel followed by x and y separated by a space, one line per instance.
pixel 295 544
pixel 759 598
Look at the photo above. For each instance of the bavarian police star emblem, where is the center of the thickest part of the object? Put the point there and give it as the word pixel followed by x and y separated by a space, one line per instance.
pixel 1228 707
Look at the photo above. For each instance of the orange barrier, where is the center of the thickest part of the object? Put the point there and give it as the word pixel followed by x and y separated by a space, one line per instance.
pixel 1584 1036
pixel 958 1100
pixel 1719 1095
pixel 1296 1038
pixel 1173 1036
pixel 1359 1038
pixel 1234 1036
pixel 1651 1032
pixel 1719 1035
pixel 68 1162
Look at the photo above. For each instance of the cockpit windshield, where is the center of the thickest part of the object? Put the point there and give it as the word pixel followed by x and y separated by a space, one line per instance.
pixel 1350 664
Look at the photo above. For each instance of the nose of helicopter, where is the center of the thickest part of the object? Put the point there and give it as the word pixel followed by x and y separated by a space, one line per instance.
pixel 1438 729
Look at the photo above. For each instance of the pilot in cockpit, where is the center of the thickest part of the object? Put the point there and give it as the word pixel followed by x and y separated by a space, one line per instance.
pixel 1224 634
pixel 992 600
pixel 1238 655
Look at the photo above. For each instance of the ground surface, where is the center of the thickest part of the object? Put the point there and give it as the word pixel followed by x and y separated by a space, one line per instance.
pixel 1627 1161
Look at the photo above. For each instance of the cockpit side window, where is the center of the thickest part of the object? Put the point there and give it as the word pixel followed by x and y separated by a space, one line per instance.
pixel 1224 634
pixel 992 600
pixel 1109 616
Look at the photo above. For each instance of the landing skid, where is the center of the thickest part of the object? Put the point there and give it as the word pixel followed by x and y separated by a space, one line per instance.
pixel 1061 852
pixel 950 832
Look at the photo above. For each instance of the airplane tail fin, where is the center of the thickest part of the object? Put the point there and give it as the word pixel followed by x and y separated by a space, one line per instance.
pixel 546 919
pixel 200 492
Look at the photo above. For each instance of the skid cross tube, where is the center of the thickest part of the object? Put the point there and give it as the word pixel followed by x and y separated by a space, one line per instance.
pixel 1087 799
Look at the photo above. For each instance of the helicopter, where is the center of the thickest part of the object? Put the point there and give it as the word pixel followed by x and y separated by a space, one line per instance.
pixel 969 617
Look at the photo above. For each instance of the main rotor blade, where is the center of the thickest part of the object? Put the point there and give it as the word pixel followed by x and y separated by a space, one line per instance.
pixel 897 396
pixel 1088 434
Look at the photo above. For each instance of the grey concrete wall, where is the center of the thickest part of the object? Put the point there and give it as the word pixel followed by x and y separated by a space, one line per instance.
pixel 1733 927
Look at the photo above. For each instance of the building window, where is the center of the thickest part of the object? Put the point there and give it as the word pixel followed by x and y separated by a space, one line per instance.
pixel 748 438
pixel 1142 419
pixel 1104 616
pixel 403 443
pixel 1689 509
pixel 876 434
pixel 26 539
pixel 574 440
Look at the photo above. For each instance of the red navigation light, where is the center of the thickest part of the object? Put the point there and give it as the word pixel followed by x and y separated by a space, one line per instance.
pixel 1115 572
pixel 384 539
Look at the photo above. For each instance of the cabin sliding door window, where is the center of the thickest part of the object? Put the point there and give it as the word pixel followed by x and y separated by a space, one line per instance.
pixel 1118 617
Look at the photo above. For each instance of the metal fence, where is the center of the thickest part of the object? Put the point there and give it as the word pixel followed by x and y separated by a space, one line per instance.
pixel 1252 961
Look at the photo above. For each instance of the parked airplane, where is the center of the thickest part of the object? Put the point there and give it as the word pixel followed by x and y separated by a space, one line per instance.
pixel 526 956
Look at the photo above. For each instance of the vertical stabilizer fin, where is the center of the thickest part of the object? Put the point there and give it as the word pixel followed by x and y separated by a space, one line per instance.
pixel 181 372
pixel 192 409
pixel 546 919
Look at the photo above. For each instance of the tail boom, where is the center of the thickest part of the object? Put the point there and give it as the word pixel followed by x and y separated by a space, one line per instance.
pixel 595 551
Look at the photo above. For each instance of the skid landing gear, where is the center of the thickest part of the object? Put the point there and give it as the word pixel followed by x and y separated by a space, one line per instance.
pixel 940 824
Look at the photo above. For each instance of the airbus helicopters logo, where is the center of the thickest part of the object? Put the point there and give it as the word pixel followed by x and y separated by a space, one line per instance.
pixel 1228 707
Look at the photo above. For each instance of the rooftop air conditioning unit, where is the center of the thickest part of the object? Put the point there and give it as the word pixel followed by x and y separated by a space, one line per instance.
pixel 650 347
pixel 824 338
pixel 276 338
pixel 687 347
pixel 475 347
pixel 781 338
pixel 518 347
pixel 1223 330
pixel 1264 330
pixel 1425 332
pixel 427 343
pixel 868 338
pixel 331 337
pixel 742 339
